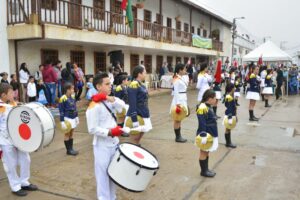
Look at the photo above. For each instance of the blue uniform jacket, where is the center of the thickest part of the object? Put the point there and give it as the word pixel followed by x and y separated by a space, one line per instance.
pixel 122 93
pixel 138 101
pixel 230 106
pixel 207 120
pixel 254 83
pixel 67 107
pixel 268 81
pixel 237 86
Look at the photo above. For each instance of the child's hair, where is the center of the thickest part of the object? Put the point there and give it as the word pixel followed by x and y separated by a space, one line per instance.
pixel 203 66
pixel 269 71
pixel 4 87
pixel 137 70
pixel 207 95
pixel 12 76
pixel 98 79
pixel 120 78
pixel 229 88
pixel 3 74
pixel 67 86
pixel 31 77
pixel 178 68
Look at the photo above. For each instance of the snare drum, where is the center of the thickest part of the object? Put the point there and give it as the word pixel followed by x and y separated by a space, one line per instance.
pixel 132 167
pixel 31 126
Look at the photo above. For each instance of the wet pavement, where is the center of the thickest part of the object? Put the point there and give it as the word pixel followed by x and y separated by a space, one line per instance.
pixel 265 166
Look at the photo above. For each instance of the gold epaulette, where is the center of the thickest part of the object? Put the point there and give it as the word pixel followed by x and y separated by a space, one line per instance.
pixel 134 84
pixel 201 74
pixel 202 109
pixel 2 109
pixel 269 77
pixel 252 76
pixel 63 98
pixel 119 88
pixel 228 98
pixel 13 103
pixel 236 83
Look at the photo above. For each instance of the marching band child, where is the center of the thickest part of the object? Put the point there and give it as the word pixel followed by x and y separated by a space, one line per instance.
pixel 138 104
pixel 203 81
pixel 68 115
pixel 179 98
pixel 237 92
pixel 216 87
pixel 253 92
pixel 101 123
pixel 230 112
pixel 207 124
pixel 268 89
pixel 12 157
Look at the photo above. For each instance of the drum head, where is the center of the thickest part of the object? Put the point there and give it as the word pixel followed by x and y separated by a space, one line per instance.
pixel 25 128
pixel 139 155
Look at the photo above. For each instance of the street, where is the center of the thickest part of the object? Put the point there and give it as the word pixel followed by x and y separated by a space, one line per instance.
pixel 264 166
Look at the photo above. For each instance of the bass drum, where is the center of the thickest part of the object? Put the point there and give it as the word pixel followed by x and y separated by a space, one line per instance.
pixel 132 167
pixel 31 127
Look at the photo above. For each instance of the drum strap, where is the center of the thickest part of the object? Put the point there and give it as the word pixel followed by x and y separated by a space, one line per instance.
pixel 109 110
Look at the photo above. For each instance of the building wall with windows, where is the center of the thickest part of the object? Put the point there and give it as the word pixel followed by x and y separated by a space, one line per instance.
pixel 4 50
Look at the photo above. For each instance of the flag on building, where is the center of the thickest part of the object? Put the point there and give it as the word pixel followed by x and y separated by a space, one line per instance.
pixel 126 5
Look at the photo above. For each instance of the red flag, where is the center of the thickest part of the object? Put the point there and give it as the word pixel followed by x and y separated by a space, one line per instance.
pixel 124 4
pixel 218 72
pixel 260 61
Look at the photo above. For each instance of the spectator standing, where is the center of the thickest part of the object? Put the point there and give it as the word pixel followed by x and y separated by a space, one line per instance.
pixel 15 85
pixel 39 74
pixel 67 75
pixel 79 81
pixel 4 76
pixel 57 68
pixel 41 92
pixel 31 89
pixel 279 80
pixel 24 76
pixel 50 80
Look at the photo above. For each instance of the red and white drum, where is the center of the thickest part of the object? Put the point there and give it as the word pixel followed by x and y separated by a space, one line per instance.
pixel 132 167
pixel 31 127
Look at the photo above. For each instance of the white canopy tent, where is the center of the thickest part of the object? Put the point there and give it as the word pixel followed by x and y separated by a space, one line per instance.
pixel 269 52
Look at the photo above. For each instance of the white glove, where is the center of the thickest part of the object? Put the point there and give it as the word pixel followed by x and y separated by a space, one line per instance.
pixel 204 140
pixel 77 120
pixel 126 129
pixel 63 125
pixel 230 121
pixel 135 124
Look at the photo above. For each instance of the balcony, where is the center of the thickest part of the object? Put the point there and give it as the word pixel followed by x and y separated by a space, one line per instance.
pixel 64 13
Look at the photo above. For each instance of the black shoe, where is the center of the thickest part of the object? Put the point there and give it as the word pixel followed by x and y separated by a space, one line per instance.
pixel 20 193
pixel 204 169
pixel 228 141
pixel 253 119
pixel 179 138
pixel 30 187
pixel 71 151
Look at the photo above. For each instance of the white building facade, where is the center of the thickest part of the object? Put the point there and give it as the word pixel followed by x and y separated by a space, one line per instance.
pixel 242 46
pixel 93 33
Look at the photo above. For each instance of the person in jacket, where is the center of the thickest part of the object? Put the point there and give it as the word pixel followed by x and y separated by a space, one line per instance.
pixel 24 76
pixel 50 80
pixel 253 92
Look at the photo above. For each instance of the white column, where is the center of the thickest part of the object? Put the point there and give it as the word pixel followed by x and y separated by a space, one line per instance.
pixel 4 50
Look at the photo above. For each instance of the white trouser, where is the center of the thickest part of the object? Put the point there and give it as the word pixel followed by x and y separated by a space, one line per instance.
pixel 12 157
pixel 105 187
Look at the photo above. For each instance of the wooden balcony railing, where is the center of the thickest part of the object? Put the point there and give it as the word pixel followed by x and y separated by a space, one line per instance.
pixel 79 16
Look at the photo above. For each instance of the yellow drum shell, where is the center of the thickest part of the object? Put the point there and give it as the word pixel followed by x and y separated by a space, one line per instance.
pixel 206 146
pixel 230 126
pixel 128 123
pixel 179 116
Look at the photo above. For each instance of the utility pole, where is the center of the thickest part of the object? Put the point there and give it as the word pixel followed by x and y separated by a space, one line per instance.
pixel 234 35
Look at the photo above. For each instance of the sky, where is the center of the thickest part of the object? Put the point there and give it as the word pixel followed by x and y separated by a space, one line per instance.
pixel 277 19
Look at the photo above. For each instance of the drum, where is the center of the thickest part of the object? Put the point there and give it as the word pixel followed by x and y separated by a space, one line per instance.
pixel 31 126
pixel 132 167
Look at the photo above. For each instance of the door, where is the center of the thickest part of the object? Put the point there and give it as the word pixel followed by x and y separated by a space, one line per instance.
pixel 159 63
pixel 134 61
pixel 134 13
pixel 75 19
pixel 169 29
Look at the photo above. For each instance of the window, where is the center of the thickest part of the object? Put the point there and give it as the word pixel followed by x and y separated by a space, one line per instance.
pixel 234 51
pixel 159 19
pixel 147 18
pixel 49 54
pixel 193 29
pixel 204 33
pixel 178 28
pixel 134 61
pixel 186 59
pixel 159 63
pixel 14 7
pixel 100 62
pixel 99 9
pixel 115 7
pixel 170 60
pixel 198 31
pixel 48 4
pixel 193 60
pixel 186 29
pixel 148 63
pixel 78 57
pixel 178 60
